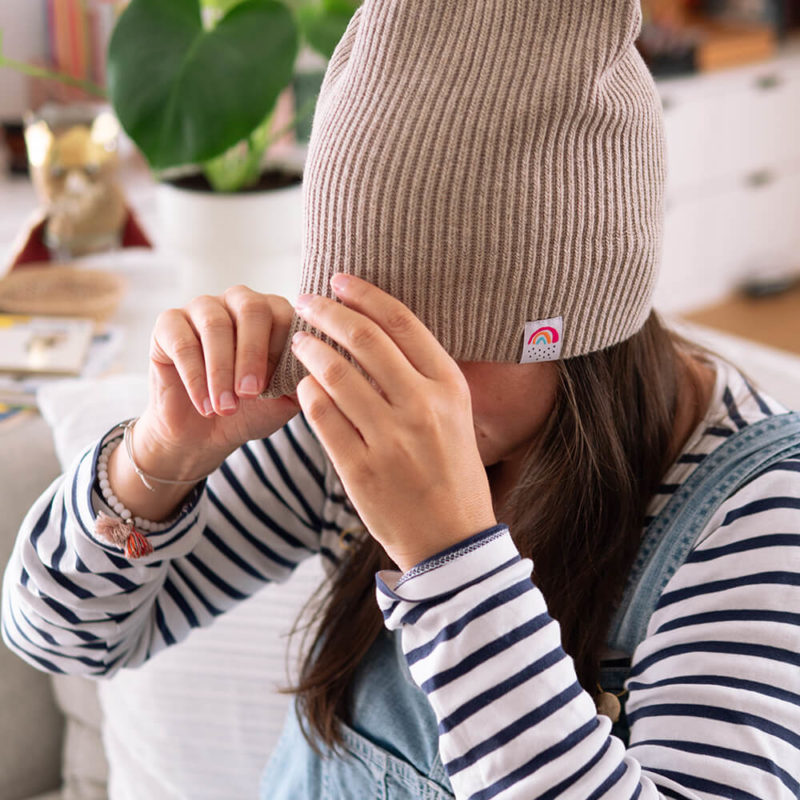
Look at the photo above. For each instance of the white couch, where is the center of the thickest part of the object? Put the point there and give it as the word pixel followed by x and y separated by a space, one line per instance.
pixel 199 720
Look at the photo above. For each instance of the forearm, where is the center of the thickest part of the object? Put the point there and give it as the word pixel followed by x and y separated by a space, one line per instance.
pixel 72 602
pixel 706 716
pixel 513 719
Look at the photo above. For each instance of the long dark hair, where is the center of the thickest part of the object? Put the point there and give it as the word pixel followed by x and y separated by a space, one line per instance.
pixel 577 510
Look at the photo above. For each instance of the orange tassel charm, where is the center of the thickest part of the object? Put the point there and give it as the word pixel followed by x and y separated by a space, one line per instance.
pixel 121 533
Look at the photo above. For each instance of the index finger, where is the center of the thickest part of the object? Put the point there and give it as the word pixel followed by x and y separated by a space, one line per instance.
pixel 262 324
pixel 406 330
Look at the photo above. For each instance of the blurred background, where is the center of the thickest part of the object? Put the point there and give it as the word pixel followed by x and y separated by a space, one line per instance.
pixel 728 72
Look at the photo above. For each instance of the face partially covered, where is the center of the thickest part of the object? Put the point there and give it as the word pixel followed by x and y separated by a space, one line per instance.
pixel 510 403
pixel 409 429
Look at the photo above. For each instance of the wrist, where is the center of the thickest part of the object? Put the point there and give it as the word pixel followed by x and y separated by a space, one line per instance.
pixel 150 500
pixel 443 547
pixel 157 456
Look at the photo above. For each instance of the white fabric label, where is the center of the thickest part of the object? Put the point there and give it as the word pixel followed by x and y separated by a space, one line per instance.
pixel 543 340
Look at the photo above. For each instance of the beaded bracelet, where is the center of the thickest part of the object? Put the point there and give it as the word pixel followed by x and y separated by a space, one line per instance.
pixel 125 531
pixel 113 501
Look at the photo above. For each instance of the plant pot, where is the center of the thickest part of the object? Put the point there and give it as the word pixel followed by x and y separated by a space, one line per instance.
pixel 220 240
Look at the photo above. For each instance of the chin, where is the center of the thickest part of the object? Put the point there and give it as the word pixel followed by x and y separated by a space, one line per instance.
pixel 489 455
pixel 489 459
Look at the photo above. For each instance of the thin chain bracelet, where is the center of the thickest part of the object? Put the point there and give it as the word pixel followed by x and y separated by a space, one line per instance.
pixel 126 531
pixel 144 477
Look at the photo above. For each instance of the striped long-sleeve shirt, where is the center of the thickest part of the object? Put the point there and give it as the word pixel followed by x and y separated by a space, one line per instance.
pixel 714 694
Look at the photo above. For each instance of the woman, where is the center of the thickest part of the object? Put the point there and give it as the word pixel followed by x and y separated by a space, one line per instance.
pixel 483 197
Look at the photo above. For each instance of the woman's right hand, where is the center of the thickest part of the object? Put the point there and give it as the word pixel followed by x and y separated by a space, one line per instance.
pixel 209 362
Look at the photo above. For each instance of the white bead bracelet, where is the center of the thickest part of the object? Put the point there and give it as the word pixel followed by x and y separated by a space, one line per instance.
pixel 114 502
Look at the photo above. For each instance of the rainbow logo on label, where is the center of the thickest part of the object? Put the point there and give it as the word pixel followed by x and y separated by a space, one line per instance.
pixel 544 335
pixel 543 340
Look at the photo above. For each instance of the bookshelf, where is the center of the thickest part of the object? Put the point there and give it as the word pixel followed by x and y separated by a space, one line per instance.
pixel 76 36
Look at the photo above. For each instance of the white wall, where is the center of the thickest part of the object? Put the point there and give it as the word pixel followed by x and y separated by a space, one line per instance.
pixel 24 39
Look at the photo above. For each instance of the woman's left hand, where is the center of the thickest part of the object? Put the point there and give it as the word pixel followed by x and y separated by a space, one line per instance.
pixel 405 452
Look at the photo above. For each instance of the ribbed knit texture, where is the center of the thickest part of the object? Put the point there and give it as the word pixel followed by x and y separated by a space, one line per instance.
pixel 489 163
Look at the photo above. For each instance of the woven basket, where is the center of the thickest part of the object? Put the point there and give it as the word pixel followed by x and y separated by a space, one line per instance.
pixel 61 291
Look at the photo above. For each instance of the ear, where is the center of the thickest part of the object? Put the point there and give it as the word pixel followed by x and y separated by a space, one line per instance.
pixel 39 142
pixel 105 130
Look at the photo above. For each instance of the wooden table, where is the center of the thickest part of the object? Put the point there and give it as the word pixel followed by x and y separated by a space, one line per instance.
pixel 773 320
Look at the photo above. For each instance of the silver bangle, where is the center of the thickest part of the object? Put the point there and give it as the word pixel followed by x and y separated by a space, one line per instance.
pixel 114 503
pixel 145 477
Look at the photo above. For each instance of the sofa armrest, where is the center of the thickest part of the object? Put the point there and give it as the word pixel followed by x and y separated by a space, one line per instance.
pixel 31 724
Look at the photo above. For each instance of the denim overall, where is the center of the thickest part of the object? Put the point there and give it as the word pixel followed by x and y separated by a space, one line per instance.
pixel 392 742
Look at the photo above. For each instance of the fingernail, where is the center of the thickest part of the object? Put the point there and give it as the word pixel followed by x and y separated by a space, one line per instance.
pixel 208 409
pixel 303 301
pixel 227 402
pixel 249 385
pixel 340 282
pixel 298 337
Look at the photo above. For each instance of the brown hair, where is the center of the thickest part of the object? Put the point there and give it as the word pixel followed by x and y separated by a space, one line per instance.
pixel 577 510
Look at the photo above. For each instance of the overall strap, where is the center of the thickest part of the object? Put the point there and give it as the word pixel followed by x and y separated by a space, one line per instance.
pixel 669 538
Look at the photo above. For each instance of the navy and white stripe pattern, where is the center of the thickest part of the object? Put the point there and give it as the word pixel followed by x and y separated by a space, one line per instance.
pixel 72 603
pixel 714 690
pixel 715 687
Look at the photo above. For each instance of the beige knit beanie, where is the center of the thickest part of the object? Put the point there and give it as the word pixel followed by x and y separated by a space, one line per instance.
pixel 497 165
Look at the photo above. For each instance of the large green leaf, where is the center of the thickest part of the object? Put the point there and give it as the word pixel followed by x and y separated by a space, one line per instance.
pixel 185 94
pixel 323 23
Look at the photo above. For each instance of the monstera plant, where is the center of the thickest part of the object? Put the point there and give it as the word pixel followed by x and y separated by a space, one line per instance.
pixel 197 81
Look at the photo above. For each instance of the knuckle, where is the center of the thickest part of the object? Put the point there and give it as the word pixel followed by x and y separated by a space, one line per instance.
pixel 202 301
pixel 361 470
pixel 280 310
pixel 245 301
pixel 360 335
pixel 236 291
pixel 317 409
pixel 399 321
pixel 251 351
pixel 219 373
pixel 169 315
pixel 185 347
pixel 167 321
pixel 196 384
pixel 424 418
pixel 334 373
pixel 210 323
pixel 253 305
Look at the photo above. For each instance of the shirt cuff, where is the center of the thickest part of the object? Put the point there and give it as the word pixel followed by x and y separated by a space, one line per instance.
pixel 88 501
pixel 439 577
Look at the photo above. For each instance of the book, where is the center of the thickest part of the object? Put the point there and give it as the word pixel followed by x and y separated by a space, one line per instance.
pixel 21 389
pixel 38 345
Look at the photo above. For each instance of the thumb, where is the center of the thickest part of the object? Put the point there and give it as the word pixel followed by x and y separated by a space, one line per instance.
pixel 266 415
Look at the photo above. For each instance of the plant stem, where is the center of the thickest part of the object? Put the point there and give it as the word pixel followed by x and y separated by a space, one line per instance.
pixel 302 113
pixel 41 72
